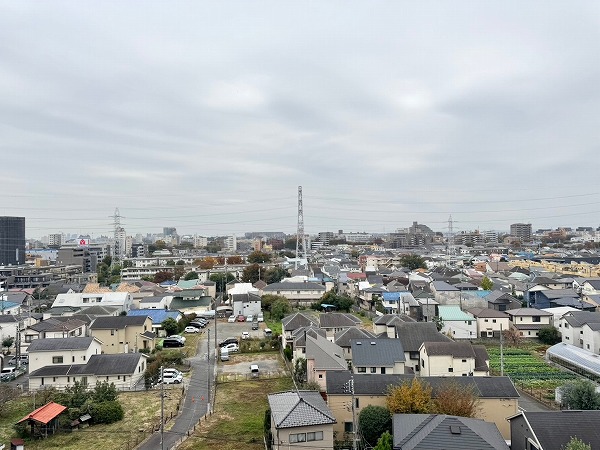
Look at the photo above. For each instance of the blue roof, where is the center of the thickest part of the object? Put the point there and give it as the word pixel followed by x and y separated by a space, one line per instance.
pixel 157 315
pixel 481 294
pixel 7 305
pixel 391 296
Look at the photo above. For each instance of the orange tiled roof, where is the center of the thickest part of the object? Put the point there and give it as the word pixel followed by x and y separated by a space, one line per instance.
pixel 94 288
pixel 45 414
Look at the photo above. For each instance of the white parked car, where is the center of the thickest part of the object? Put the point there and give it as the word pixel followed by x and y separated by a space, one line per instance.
pixel 245 335
pixel 171 372
pixel 231 348
pixel 178 337
pixel 249 318
pixel 170 378
pixel 260 318
pixel 190 329
pixel 231 319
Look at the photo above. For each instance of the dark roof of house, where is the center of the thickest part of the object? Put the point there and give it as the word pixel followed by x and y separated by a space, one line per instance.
pixel 594 283
pixel 378 384
pixel 297 320
pixel 442 286
pixel 338 320
pixel 487 313
pixel 260 284
pixel 499 297
pixel 294 286
pixel 393 319
pixel 117 364
pixel 117 322
pixel 551 294
pixel 299 409
pixel 413 334
pixel 343 338
pixel 555 429
pixel 299 334
pixel 57 324
pixel 376 352
pixel 442 432
pixel 57 344
pixel 455 349
pixel 579 318
pixel 527 312
pixel 99 365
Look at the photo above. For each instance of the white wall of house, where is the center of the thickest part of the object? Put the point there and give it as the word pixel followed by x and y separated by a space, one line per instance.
pixel 492 325
pixel 570 335
pixel 460 329
pixel 37 360
pixel 590 339
pixel 281 437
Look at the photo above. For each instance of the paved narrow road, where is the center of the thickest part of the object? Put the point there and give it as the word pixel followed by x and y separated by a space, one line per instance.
pixel 194 405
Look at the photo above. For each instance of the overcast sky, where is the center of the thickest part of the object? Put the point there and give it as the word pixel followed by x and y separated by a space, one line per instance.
pixel 207 116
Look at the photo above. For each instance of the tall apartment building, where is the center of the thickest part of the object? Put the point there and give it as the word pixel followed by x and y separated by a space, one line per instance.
pixel 200 241
pixel 521 230
pixel 490 236
pixel 12 240
pixel 230 244
pixel 55 240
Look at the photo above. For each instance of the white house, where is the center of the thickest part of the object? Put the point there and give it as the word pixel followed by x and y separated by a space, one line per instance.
pixel 62 351
pixel 122 300
pixel 457 323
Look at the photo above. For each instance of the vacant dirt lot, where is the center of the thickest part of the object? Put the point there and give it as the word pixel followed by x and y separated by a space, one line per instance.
pixel 240 363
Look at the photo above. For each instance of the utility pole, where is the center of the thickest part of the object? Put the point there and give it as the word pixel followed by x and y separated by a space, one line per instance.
pixel 208 371
pixel 162 409
pixel 353 412
pixel 501 352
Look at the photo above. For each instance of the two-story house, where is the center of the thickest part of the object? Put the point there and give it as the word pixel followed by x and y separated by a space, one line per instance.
pixel 322 356
pixel 453 359
pixel 124 334
pixel 571 326
pixel 334 322
pixel 457 323
pixel 412 335
pixel 299 294
pixel 378 356
pixel 490 322
pixel 291 323
pixel 529 321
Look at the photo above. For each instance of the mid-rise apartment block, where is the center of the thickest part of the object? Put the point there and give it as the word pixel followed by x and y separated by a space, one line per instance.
pixel 521 230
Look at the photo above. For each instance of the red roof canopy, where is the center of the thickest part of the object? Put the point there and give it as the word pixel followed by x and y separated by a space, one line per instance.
pixel 45 414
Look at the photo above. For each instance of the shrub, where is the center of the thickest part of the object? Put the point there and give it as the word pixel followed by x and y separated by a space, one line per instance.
pixel 107 412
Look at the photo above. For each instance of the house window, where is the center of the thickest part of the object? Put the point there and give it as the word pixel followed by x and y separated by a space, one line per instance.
pixel 348 428
pixel 298 437
pixel 422 363
pixel 450 369
pixel 464 360
pixel 361 370
pixel 536 319
pixel 383 370
pixel 57 360
pixel 72 359
pixel 356 403
pixel 485 320
pixel 112 332
pixel 373 369
pixel 493 320
pixel 314 436
pixel 320 375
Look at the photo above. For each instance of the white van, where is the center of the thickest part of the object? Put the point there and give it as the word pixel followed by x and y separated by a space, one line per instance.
pixel 224 354
pixel 254 370
pixel 268 332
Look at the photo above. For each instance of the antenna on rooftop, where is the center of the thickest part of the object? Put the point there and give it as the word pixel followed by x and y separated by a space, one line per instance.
pixel 300 236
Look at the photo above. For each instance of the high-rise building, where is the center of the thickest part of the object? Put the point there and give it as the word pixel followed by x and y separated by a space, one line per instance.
pixel 55 240
pixel 169 231
pixel 521 230
pixel 230 244
pixel 12 240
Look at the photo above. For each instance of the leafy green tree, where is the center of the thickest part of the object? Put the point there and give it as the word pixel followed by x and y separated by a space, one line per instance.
pixel 178 272
pixel 77 395
pixel 8 342
pixel 580 394
pixel 413 262
pixel 385 442
pixel 251 273
pixel 191 276
pixel 300 371
pixel 290 243
pixel 439 322
pixel 107 412
pixel 104 392
pixel 373 421
pixel 170 326
pixel 258 257
pixel 221 280
pixel 549 335
pixel 487 284
pixel 170 263
pixel 275 275
pixel 280 308
pixel 213 247
pixel 577 444
pixel 268 300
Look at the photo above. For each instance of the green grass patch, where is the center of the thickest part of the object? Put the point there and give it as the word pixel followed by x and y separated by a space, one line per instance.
pixel 237 423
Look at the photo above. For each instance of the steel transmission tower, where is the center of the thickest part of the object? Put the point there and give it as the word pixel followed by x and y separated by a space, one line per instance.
pixel 300 236
pixel 450 247
pixel 118 230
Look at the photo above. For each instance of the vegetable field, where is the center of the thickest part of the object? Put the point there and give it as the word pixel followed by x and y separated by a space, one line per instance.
pixel 527 369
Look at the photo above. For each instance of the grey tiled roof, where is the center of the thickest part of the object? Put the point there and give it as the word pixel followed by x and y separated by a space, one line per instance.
pixel 337 320
pixel 299 409
pixel 297 320
pixel 455 349
pixel 578 318
pixel 293 286
pixel 56 344
pixel 326 354
pixel 117 364
pixel 555 429
pixel 343 338
pixel 300 334
pixel 117 322
pixel 378 384
pixel 442 432
pixel 413 334
pixel 376 352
